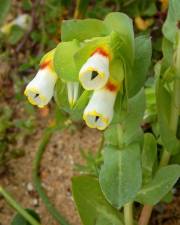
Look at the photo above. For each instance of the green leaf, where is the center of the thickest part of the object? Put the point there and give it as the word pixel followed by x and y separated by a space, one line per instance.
pixel 82 29
pixel 149 156
pixel 161 184
pixel 122 24
pixel 4 9
pixel 120 175
pixel 143 52
pixel 77 111
pixel 170 26
pixel 91 204
pixel 125 127
pixel 60 95
pixel 20 220
pixel 15 35
pixel 64 61
pixel 169 139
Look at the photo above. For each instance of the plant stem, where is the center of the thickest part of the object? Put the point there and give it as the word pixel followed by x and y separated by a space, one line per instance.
pixel 173 124
pixel 128 213
pixel 17 207
pixel 37 180
pixel 76 12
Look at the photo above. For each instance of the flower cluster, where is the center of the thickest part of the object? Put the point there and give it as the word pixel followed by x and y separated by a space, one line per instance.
pixel 94 62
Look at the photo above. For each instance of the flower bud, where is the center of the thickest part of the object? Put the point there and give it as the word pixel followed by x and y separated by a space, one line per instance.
pixel 72 88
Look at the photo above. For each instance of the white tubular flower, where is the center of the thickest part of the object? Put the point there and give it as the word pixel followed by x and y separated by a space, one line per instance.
pixel 100 109
pixel 41 89
pixel 94 74
pixel 23 21
pixel 72 88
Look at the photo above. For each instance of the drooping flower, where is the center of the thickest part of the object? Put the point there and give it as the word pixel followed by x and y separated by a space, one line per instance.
pixel 23 21
pixel 94 74
pixel 100 109
pixel 72 88
pixel 41 89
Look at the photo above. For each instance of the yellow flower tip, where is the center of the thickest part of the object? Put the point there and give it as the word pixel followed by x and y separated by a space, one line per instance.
pixel 71 103
pixel 35 97
pixel 92 119
pixel 94 73
pixel 142 24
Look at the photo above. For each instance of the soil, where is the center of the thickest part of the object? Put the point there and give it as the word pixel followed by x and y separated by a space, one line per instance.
pixel 56 171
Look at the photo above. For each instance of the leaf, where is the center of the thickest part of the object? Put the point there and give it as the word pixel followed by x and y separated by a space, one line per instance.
pixel 126 122
pixel 82 29
pixel 122 24
pixel 120 176
pixel 20 220
pixel 170 27
pixel 161 184
pixel 77 111
pixel 169 139
pixel 91 204
pixel 143 52
pixel 15 35
pixel 4 9
pixel 149 156
pixel 64 61
pixel 60 96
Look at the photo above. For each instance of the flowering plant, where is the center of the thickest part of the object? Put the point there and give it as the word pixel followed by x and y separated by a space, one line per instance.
pixel 98 73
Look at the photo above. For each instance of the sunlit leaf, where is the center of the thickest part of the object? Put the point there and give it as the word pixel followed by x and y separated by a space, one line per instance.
pixel 82 29
pixel 64 61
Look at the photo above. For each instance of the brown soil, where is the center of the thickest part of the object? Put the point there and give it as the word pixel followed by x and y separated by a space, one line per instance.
pixel 57 170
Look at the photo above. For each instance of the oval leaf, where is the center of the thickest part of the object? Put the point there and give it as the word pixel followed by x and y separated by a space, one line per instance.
pixel 161 184
pixel 120 176
pixel 92 206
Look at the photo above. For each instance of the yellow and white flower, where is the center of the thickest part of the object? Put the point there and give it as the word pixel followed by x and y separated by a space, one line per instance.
pixel 100 109
pixel 23 21
pixel 41 89
pixel 72 88
pixel 94 74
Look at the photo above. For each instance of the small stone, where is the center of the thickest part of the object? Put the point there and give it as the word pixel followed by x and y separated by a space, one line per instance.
pixel 30 187
pixel 35 202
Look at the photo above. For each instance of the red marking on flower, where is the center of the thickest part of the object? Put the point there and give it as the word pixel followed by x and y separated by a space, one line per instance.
pixel 101 52
pixel 111 86
pixel 45 64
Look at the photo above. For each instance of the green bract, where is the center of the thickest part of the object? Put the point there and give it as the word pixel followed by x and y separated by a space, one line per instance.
pixel 64 61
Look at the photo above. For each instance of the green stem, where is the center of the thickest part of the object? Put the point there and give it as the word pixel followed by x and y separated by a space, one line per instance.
pixel 173 124
pixel 37 181
pixel 17 207
pixel 128 213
